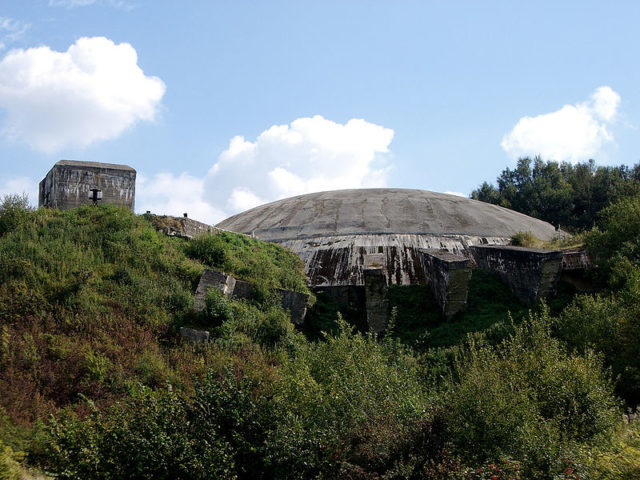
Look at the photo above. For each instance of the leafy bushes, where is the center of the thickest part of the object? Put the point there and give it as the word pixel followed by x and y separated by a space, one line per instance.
pixel 149 435
pixel 530 400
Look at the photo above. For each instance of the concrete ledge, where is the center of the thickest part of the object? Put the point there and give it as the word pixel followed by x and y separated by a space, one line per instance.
pixel 448 275
pixel 530 273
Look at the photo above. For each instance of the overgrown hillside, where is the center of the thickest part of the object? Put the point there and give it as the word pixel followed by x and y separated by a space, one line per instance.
pixel 90 304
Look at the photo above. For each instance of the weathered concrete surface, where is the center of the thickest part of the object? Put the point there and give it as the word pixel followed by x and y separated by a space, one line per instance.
pixel 576 259
pixel 335 232
pixel 376 299
pixel 183 227
pixel 382 211
pixel 531 274
pixel 211 279
pixel 69 184
pixel 293 302
pixel 448 275
pixel 194 336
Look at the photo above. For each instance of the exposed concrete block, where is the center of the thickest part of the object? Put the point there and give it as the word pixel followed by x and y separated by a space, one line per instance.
pixel 376 299
pixel 448 275
pixel 194 336
pixel 211 279
pixel 530 273
pixel 296 304
pixel 243 290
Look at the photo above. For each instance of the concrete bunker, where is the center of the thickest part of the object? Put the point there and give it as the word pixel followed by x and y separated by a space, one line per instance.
pixel 70 184
pixel 355 243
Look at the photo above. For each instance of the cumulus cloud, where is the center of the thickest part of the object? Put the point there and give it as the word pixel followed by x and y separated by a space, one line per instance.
pixel 11 30
pixel 94 91
pixel 168 194
pixel 311 154
pixel 574 133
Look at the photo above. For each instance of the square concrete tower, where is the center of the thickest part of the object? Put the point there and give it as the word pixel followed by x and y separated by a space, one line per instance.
pixel 71 183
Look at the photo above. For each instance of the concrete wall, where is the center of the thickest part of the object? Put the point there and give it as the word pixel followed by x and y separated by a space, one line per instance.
pixel 531 274
pixel 68 185
pixel 448 275
pixel 341 260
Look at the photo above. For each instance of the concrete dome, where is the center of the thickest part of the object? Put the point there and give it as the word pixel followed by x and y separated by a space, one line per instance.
pixel 338 233
pixel 382 211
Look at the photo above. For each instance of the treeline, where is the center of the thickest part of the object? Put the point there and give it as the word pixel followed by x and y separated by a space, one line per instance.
pixel 560 193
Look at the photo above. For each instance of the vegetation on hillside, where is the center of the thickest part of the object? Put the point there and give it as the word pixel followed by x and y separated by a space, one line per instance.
pixel 96 385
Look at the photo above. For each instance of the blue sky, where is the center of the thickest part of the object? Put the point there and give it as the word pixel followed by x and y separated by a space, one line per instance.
pixel 222 105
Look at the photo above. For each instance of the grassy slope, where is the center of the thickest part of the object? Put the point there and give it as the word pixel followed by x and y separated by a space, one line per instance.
pixel 90 299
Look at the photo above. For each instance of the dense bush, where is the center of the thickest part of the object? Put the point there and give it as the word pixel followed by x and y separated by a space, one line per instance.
pixel 531 400
pixel 150 435
pixel 615 246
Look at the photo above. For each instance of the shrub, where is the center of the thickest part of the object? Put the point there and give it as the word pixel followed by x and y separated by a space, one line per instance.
pixel 525 239
pixel 10 463
pixel 350 404
pixel 150 435
pixel 530 399
pixel 618 237
pixel 14 210
pixel 611 326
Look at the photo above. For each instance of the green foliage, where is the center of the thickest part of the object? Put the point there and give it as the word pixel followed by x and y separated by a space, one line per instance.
pixel 10 463
pixel 217 307
pixel 348 404
pixel 525 239
pixel 530 399
pixel 13 211
pixel 150 435
pixel 611 326
pixel 250 259
pixel 562 194
pixel 618 461
pixel 616 245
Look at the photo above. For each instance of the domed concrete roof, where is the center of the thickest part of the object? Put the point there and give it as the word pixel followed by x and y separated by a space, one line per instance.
pixel 382 211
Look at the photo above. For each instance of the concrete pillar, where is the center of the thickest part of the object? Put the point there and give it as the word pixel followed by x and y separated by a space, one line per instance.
pixel 448 275
pixel 376 299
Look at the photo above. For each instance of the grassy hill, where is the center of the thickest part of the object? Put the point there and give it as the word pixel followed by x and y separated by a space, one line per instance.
pixel 95 384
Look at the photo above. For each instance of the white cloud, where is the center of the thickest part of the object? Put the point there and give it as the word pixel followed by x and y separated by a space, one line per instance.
pixel 167 194
pixel 18 186
pixel 457 194
pixel 574 133
pixel 92 92
pixel 84 3
pixel 310 154
pixel 11 30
